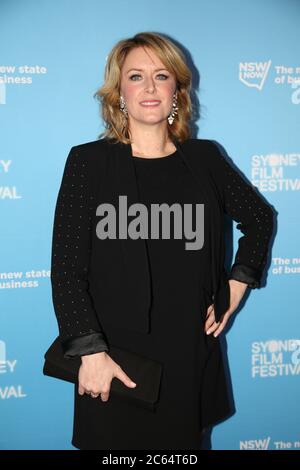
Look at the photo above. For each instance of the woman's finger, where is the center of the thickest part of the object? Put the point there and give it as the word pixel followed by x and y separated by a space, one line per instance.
pixel 219 330
pixel 210 317
pixel 213 328
pixel 209 310
pixel 209 322
pixel 223 322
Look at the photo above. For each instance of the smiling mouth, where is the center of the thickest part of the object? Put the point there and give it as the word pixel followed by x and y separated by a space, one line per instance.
pixel 150 103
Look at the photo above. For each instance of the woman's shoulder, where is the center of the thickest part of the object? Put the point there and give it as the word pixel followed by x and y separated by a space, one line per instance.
pixel 91 153
pixel 205 151
pixel 89 147
pixel 200 143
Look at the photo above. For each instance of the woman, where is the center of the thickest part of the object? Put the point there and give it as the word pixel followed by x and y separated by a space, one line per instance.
pixel 147 152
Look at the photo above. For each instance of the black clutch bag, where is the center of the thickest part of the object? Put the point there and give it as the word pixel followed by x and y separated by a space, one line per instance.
pixel 145 372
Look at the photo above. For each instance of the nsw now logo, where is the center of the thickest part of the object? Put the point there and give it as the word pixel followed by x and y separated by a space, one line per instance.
pixel 255 444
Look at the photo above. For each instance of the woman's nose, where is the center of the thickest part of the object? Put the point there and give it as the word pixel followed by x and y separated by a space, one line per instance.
pixel 149 84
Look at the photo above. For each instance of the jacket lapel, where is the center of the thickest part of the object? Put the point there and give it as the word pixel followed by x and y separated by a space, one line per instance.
pixel 221 290
pixel 134 252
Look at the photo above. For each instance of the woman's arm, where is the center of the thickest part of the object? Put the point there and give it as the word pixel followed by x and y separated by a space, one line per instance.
pixel 255 218
pixel 79 327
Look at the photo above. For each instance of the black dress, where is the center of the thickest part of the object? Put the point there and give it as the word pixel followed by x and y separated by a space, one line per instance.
pixel 193 375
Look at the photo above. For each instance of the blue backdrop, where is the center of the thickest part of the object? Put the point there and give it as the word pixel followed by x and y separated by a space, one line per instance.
pixel 52 60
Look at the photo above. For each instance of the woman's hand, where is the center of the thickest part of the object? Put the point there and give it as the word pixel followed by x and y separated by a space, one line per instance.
pixel 237 291
pixel 96 373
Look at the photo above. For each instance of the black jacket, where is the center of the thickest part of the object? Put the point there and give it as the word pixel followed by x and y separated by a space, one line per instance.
pixel 100 282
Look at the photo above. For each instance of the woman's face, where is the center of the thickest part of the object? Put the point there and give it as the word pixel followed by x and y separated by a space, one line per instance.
pixel 143 78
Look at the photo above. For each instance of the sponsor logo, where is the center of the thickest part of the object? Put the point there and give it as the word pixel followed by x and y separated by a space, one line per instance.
pixel 275 358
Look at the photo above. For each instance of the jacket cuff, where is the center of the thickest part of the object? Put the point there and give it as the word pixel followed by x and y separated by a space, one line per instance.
pixel 243 273
pixel 89 343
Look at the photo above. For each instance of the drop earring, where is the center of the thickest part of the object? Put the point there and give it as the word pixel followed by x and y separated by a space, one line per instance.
pixel 123 106
pixel 174 110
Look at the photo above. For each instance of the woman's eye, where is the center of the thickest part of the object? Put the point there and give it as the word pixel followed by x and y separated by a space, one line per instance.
pixel 159 75
pixel 135 75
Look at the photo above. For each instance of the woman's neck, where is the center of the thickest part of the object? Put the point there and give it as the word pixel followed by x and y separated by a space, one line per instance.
pixel 155 144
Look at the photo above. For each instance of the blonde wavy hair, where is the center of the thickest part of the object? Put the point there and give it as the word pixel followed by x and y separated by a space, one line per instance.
pixel 116 124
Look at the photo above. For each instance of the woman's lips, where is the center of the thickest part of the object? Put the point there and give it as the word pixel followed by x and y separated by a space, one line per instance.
pixel 150 103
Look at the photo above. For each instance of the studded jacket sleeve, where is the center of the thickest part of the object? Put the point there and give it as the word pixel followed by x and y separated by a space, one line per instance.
pixel 255 218
pixel 79 327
